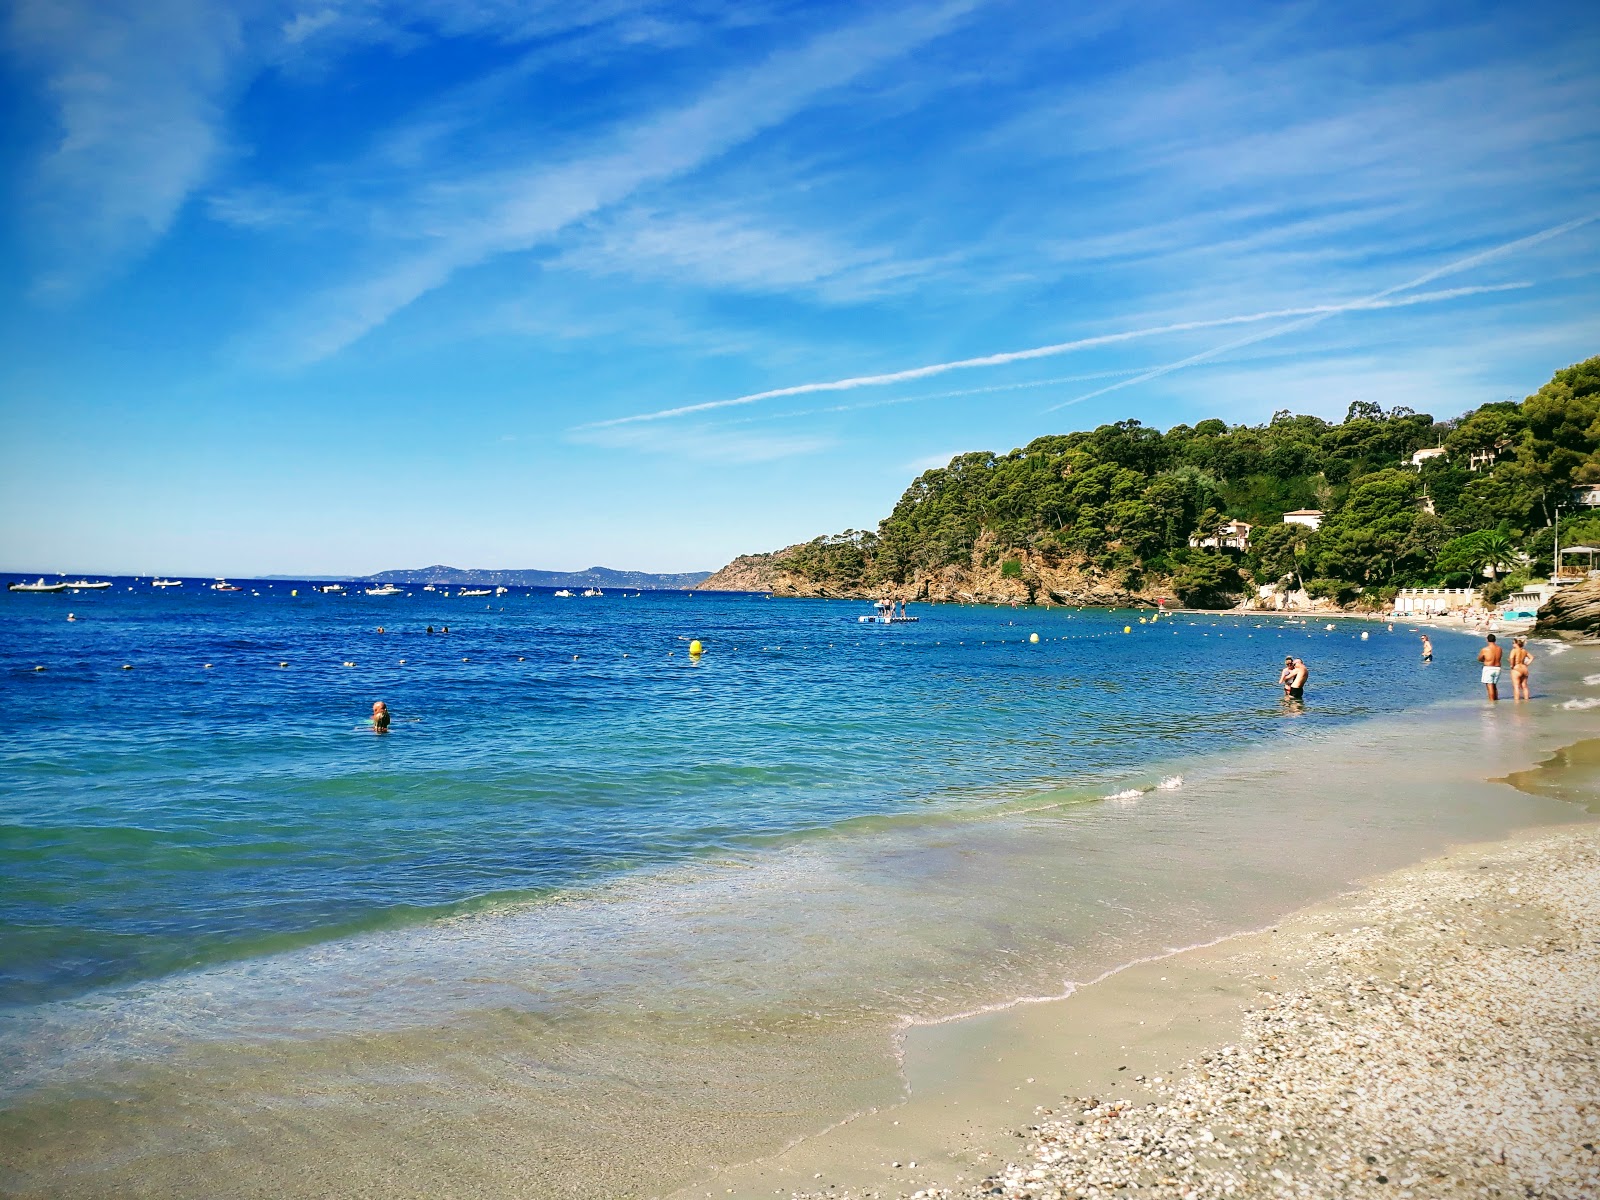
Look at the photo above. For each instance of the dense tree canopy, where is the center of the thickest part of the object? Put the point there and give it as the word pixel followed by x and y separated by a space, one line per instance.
pixel 1124 499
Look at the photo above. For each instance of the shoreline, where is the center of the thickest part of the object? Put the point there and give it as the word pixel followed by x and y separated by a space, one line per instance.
pixel 1144 1077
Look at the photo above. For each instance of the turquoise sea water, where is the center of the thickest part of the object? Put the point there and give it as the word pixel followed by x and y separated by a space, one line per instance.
pixel 595 917
pixel 175 813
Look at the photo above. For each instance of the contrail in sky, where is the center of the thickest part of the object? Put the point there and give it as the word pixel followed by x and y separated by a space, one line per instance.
pixel 1376 300
pixel 1315 311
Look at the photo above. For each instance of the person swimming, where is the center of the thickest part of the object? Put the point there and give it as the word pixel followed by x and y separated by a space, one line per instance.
pixel 380 717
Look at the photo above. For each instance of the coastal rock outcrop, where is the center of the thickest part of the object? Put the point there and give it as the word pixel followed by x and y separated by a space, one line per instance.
pixel 1572 613
pixel 1020 578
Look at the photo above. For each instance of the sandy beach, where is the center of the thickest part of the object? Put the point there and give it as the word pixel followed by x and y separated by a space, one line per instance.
pixel 1432 1034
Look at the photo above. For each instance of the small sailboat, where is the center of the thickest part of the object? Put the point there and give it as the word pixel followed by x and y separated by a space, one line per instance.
pixel 41 586
pixel 386 589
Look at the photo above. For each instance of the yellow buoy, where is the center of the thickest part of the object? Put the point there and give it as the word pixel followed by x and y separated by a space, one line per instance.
pixel 1034 638
pixel 1127 629
pixel 696 648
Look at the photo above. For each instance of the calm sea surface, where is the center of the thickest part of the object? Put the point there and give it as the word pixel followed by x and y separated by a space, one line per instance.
pixel 596 916
pixel 178 813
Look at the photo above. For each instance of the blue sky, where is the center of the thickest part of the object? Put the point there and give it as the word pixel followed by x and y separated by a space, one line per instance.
pixel 342 285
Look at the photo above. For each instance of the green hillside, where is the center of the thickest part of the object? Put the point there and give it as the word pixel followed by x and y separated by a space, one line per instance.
pixel 1123 501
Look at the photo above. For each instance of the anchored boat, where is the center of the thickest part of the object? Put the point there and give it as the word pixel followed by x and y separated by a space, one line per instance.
pixel 387 589
pixel 41 586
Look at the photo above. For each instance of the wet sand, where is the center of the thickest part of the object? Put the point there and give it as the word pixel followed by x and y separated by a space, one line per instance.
pixel 1432 1034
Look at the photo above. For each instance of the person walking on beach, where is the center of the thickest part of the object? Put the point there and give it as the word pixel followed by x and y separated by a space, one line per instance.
pixel 1427 649
pixel 380 717
pixel 1489 656
pixel 1520 661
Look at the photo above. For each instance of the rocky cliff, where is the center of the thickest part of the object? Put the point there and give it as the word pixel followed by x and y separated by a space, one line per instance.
pixel 1572 613
pixel 1030 581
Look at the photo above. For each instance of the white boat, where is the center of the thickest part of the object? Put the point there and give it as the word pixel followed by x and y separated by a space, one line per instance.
pixel 83 585
pixel 472 591
pixel 593 592
pixel 331 588
pixel 222 585
pixel 387 589
pixel 41 586
pixel 501 591
pixel 166 583
pixel 564 592
pixel 430 588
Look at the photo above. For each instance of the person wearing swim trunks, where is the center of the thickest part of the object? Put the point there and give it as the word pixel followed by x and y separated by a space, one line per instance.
pixel 1520 661
pixel 1490 656
pixel 1296 684
pixel 1427 649
pixel 380 717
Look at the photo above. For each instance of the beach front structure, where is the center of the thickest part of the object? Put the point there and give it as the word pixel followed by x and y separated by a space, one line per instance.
pixel 1234 535
pixel 1434 601
pixel 1311 518
pixel 1575 564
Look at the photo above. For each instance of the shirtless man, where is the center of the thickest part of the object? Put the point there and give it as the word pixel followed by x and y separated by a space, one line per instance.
pixel 1489 656
pixel 1296 683
pixel 380 717
pixel 1519 663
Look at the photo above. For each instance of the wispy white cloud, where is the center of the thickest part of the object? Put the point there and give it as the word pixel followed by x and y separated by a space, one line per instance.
pixel 140 93
pixel 1009 357
pixel 1377 299
pixel 471 220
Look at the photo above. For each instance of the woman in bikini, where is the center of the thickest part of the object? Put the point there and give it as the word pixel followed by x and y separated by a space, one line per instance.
pixel 1520 661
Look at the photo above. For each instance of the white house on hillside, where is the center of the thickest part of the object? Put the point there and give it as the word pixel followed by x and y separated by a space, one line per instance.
pixel 1311 518
pixel 1235 535
pixel 1422 456
pixel 1587 494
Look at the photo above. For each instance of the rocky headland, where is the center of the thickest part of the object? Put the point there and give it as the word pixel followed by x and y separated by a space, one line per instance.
pixel 1573 613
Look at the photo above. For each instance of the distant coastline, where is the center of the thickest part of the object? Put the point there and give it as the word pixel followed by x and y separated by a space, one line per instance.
pixel 593 577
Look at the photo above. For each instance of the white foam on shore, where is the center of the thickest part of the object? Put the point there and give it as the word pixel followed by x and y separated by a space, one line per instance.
pixel 1584 702
pixel 1592 680
pixel 1170 784
pixel 1127 794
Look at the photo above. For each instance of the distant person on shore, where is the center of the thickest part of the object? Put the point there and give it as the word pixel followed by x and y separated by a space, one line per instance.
pixel 1520 661
pixel 380 717
pixel 1489 656
pixel 1427 649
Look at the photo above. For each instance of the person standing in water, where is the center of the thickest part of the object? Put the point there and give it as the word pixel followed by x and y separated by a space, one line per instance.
pixel 1427 649
pixel 380 717
pixel 1489 656
pixel 1297 680
pixel 1520 661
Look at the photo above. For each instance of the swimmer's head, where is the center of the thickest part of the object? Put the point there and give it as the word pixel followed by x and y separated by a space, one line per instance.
pixel 379 706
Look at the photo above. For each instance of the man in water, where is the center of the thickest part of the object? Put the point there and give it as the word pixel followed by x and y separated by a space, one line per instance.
pixel 1489 656
pixel 1295 684
pixel 380 717
pixel 1427 649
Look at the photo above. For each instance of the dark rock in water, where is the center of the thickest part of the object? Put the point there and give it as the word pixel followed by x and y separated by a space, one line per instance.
pixel 1572 613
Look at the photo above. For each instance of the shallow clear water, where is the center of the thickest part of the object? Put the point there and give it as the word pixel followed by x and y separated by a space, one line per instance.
pixel 589 926
pixel 169 815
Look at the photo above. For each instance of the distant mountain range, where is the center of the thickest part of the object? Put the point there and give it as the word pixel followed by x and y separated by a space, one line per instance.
pixel 602 577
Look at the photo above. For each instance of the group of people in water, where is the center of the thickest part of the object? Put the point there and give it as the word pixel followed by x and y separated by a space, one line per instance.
pixel 1294 675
